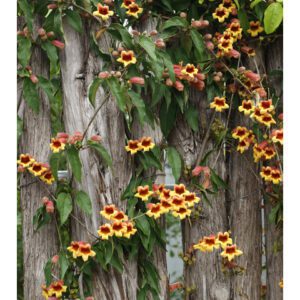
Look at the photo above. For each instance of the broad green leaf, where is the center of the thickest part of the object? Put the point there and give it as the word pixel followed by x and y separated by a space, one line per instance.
pixel 92 90
pixel 139 103
pixel 118 92
pixel 175 22
pixel 149 46
pixel 109 251
pixel 27 9
pixel 198 42
pixel 142 224
pixel 75 162
pixel 48 272
pixel 243 19
pixel 83 200
pixel 54 163
pixel 119 32
pixel 64 206
pixel 116 262
pixel 167 117
pixel 273 17
pixel 191 115
pixel 52 55
pixel 74 20
pixel 24 51
pixel 102 152
pixel 175 162
pixel 31 95
pixel 47 86
pixel 64 264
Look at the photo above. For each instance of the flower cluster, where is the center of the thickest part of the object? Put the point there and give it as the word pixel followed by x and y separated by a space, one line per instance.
pixel 245 138
pixel 55 289
pixel 209 243
pixel 144 144
pixel 177 201
pixel 224 9
pixel 271 174
pixel 81 249
pixel 120 227
pixel 133 9
pixel 38 169
pixel 189 73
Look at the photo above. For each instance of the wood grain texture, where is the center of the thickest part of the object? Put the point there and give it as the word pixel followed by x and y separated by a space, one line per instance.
pixel 41 245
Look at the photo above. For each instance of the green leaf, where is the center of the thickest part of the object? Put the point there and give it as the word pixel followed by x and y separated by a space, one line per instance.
pixel 64 264
pixel 75 162
pixel 243 19
pixel 139 103
pixel 102 152
pixel 175 162
pixel 273 17
pixel 191 115
pixel 31 95
pixel 74 20
pixel 167 117
pixel 64 206
pixel 54 163
pixel 201 52
pixel 142 224
pixel 237 4
pixel 48 272
pixel 175 22
pixel 27 10
pixel 254 3
pixel 118 92
pixel 92 90
pixel 168 63
pixel 52 55
pixel 24 51
pixel 147 43
pixel 119 32
pixel 109 251
pixel 40 218
pixel 47 86
pixel 217 180
pixel 84 202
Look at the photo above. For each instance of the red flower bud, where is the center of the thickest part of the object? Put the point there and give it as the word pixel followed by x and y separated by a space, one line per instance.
pixel 280 116
pixel 58 44
pixel 55 259
pixel 52 6
pixel 45 200
pixel 153 33
pixel 208 36
pixel 169 82
pixel 261 92
pixel 137 80
pixel 160 43
pixel 179 86
pixel 50 207
pixel 233 53
pixel 120 49
pixel 252 76
pixel 50 34
pixel 209 45
pixel 196 24
pixel 104 75
pixel 34 79
pixel 21 169
pixel 96 138
pixel 62 135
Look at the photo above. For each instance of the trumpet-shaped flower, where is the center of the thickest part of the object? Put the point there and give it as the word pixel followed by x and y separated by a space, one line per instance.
pixel 108 211
pixel 230 252
pixel 47 177
pixel 25 160
pixel 74 249
pixel 179 189
pixel 126 3
pixel 146 144
pixel 191 199
pixel 56 145
pixel 240 133
pixel 85 251
pixel 37 169
pixel 265 173
pixel 143 192
pixel 119 228
pixel 219 104
pixel 223 239
pixel 181 212
pixel 247 107
pixel 221 13
pixel 189 70
pixel 119 216
pixel 103 12
pixel 134 10
pixel 210 243
pixel 277 136
pixel 57 288
pixel 133 146
pixel 255 28
pixel 267 119
pixel 275 176
pixel 105 231
pixel 127 58
pixel 130 230
pixel 155 211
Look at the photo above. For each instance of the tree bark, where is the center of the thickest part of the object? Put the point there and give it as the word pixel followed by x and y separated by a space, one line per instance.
pixel 38 246
pixel 274 234
pixel 104 186
pixel 204 277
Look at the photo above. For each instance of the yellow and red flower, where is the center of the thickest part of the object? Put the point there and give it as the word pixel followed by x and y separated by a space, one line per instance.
pixel 200 246
pixel 277 136
pixel 243 145
pixel 143 192
pixel 146 144
pixel 267 119
pixel 103 12
pixel 190 199
pixel 127 58
pixel 155 210
pixel 126 3
pixel 85 251
pixel 266 106
pixel 118 228
pixel 130 230
pixel 229 5
pixel 265 173
pixel 56 145
pixel 275 176
pixel 57 288
pixel 230 252
pixel 221 13
pixel 166 205
pixel 166 194
pixel 235 30
pixel 108 211
pixel 177 201
pixel 119 216
pixel 37 169
pixel 269 152
pixel 255 28
pixel 189 70
pixel 181 212
pixel 219 104
pixel 258 152
pixel 225 45
pixel 210 243
pixel 133 146
pixel 256 114
pixel 45 291
pixel 105 231
pixel 25 160
pixel 223 239
pixel 179 189
pixel 247 107
pixel 240 133
pixel 74 249
pixel 134 10
pixel 47 177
